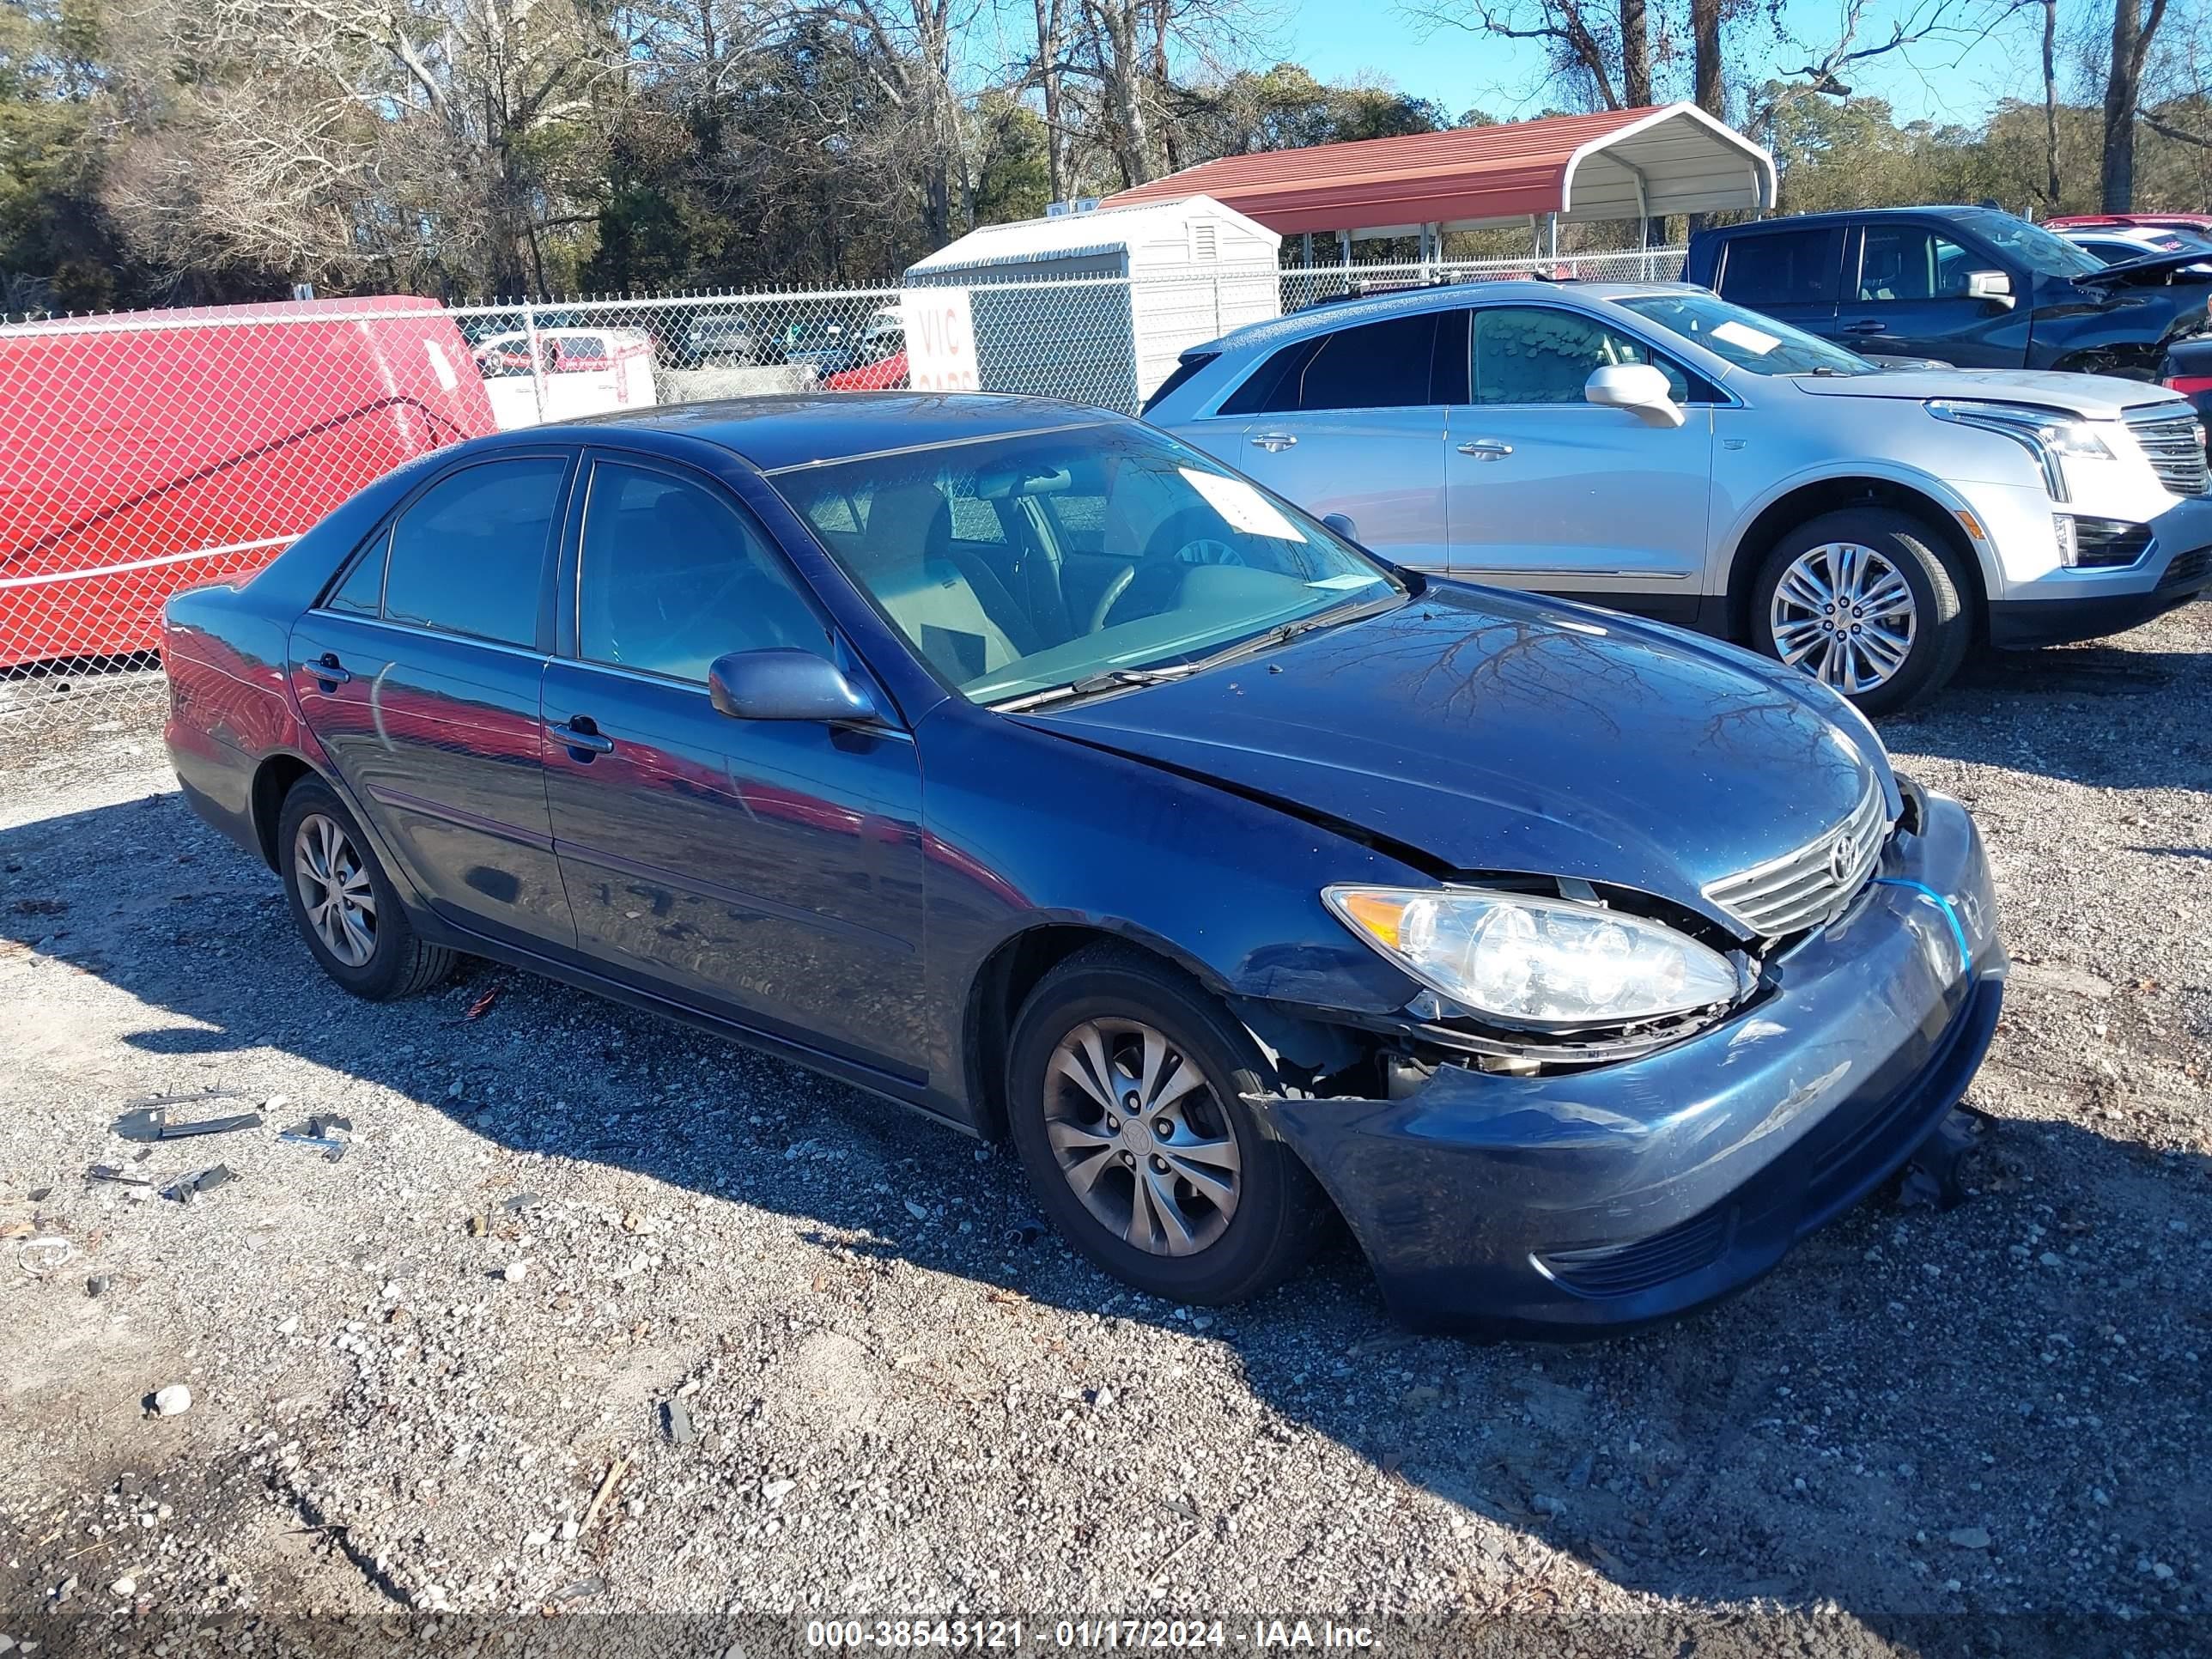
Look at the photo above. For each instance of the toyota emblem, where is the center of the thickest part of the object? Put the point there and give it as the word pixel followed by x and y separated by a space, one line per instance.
pixel 1840 861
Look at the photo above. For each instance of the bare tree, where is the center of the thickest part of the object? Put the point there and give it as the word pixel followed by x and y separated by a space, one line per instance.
pixel 2050 106
pixel 2134 27
pixel 914 65
pixel 1588 48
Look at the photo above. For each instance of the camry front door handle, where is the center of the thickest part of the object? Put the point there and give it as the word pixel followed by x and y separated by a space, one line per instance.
pixel 1869 326
pixel 581 735
pixel 1272 441
pixel 1485 449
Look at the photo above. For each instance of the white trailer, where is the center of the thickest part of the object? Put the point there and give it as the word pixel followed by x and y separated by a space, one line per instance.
pixel 1122 292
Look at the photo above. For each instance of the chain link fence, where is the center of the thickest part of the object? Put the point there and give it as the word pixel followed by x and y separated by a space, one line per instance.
pixel 153 452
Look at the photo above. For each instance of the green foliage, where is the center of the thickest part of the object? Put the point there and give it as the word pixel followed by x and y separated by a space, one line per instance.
pixel 1852 153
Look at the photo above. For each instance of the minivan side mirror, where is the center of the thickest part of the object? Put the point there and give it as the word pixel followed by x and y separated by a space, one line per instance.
pixel 787 684
pixel 1639 388
pixel 1992 285
pixel 1341 523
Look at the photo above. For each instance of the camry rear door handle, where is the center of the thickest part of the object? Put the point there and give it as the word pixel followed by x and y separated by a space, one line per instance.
pixel 581 733
pixel 1485 449
pixel 1272 441
pixel 326 673
pixel 1867 327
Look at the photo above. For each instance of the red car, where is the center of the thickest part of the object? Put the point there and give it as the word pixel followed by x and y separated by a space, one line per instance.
pixel 2199 222
pixel 887 374
pixel 150 453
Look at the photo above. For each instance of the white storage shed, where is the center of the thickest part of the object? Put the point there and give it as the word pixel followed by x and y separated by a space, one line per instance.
pixel 1185 271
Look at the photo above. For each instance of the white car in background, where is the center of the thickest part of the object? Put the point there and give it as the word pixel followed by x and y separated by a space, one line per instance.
pixel 2117 245
pixel 575 371
pixel 1653 448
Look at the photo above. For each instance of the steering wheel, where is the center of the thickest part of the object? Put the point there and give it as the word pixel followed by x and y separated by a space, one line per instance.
pixel 1116 588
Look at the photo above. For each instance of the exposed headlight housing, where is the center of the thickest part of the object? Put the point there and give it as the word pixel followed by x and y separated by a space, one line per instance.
pixel 1553 965
pixel 2049 434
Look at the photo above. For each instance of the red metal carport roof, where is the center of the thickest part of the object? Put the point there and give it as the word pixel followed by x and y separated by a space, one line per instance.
pixel 1626 163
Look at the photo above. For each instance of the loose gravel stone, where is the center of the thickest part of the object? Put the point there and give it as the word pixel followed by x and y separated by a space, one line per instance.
pixel 898 1414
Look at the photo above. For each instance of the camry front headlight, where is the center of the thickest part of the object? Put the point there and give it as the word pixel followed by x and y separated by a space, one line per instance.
pixel 2048 434
pixel 1537 962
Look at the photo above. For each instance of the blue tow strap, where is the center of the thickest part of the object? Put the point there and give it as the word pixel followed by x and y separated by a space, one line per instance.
pixel 1950 915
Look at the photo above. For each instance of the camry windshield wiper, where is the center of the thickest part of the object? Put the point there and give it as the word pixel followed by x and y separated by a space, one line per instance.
pixel 1112 679
pixel 1117 679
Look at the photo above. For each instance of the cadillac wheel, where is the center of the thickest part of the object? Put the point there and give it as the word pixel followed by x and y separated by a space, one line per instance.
pixel 1125 1092
pixel 1865 600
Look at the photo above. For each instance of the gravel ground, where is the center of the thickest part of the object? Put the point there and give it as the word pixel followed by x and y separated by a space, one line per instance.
pixel 438 1374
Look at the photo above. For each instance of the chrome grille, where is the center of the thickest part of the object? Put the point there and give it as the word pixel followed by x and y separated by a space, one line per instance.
pixel 2172 440
pixel 1804 888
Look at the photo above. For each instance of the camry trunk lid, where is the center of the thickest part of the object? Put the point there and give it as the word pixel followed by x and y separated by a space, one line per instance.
pixel 1486 734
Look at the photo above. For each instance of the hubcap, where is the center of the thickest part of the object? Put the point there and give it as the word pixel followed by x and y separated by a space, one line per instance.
pixel 1844 614
pixel 1141 1138
pixel 334 889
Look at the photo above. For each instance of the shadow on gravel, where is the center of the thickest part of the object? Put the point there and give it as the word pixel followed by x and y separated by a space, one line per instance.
pixel 2001 1405
pixel 2098 714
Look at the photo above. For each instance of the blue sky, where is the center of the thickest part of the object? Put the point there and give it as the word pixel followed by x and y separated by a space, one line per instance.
pixel 1341 40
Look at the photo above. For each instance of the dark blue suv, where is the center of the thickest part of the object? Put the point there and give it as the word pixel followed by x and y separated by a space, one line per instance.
pixel 1969 286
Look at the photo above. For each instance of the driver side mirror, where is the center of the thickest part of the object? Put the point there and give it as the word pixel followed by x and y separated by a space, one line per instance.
pixel 1341 523
pixel 1640 388
pixel 1991 285
pixel 787 684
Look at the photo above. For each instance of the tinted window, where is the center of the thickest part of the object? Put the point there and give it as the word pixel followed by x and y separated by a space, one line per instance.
pixel 469 556
pixel 1188 365
pixel 361 593
pixel 1538 355
pixel 1386 365
pixel 1908 262
pixel 1374 366
pixel 672 577
pixel 1783 268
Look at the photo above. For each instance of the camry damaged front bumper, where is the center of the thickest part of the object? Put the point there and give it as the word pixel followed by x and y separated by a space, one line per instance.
pixel 1597 1198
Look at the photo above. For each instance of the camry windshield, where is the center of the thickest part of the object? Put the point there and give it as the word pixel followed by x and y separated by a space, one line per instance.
pixel 1075 560
pixel 2042 251
pixel 1745 339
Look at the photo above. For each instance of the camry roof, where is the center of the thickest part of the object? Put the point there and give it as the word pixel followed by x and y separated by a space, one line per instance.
pixel 794 428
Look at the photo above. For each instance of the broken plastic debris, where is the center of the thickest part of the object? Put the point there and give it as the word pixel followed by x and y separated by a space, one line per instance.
pixel 205 1181
pixel 120 1178
pixel 332 1150
pixel 152 1123
pixel 1937 1169
pixel 482 1006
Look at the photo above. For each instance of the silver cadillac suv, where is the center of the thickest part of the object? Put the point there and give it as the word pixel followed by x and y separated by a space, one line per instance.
pixel 1653 448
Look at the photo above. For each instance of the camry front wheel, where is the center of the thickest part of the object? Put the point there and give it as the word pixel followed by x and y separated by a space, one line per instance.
pixel 1126 1087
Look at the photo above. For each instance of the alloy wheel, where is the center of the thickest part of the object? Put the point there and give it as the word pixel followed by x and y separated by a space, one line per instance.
pixel 334 889
pixel 1844 613
pixel 1141 1138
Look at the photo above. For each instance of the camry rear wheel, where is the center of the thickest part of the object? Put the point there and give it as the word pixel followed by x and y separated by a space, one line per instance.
pixel 344 904
pixel 1125 1091
pixel 1867 601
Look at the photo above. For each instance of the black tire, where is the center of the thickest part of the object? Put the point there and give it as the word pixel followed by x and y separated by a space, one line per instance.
pixel 1279 1209
pixel 398 963
pixel 1942 628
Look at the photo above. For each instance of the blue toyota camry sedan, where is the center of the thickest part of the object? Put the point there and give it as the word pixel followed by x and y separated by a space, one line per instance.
pixel 1020 763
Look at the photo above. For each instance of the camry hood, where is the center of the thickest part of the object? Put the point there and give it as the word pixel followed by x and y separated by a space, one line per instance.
pixel 1471 732
pixel 2098 397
